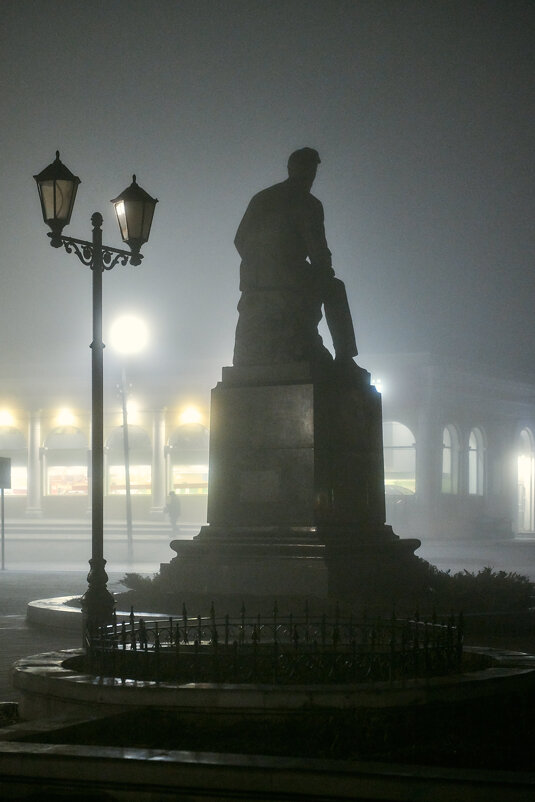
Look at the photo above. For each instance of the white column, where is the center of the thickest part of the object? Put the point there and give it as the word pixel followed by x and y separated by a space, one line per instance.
pixel 34 493
pixel 158 464
pixel 428 473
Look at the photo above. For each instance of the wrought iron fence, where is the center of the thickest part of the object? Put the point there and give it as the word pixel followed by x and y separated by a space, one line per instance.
pixel 276 649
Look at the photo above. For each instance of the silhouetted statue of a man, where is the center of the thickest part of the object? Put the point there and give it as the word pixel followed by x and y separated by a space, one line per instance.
pixel 286 275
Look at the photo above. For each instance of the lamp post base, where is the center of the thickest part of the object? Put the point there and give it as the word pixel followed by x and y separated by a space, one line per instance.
pixel 98 603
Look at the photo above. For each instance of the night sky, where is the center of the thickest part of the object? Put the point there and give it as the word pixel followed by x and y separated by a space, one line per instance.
pixel 423 116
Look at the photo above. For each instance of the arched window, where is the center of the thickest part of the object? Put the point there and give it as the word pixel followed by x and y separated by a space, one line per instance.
pixel 188 454
pixel 65 455
pixel 525 472
pixel 13 446
pixel 450 460
pixel 476 463
pixel 140 458
pixel 399 457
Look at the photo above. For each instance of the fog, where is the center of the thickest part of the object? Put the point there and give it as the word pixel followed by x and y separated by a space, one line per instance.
pixel 423 117
pixel 29 548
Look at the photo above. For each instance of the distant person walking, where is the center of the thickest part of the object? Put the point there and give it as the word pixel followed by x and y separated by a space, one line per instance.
pixel 173 511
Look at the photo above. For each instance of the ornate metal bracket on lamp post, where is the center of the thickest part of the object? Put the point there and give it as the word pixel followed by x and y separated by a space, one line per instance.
pixel 134 208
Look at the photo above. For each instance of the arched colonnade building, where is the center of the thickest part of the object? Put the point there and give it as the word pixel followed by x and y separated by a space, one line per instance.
pixel 459 453
pixel 51 462
pixel 459 450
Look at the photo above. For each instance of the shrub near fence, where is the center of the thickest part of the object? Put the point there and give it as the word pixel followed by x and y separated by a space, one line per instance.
pixel 276 649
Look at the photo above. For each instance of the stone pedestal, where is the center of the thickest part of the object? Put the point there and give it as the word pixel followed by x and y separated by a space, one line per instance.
pixel 296 484
pixel 296 447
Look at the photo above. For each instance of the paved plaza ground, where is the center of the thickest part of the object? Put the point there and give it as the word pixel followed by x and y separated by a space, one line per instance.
pixel 17 639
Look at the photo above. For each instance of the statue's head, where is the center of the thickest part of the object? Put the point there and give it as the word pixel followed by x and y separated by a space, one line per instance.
pixel 302 166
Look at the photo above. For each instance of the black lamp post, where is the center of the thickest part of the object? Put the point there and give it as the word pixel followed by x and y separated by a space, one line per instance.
pixel 135 208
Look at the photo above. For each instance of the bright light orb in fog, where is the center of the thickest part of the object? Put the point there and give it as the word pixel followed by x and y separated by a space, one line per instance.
pixel 190 415
pixel 65 418
pixel 6 418
pixel 129 334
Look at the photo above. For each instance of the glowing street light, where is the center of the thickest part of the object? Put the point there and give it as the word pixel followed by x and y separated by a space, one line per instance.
pixel 57 188
pixel 65 418
pixel 134 209
pixel 128 335
pixel 190 415
pixel 6 418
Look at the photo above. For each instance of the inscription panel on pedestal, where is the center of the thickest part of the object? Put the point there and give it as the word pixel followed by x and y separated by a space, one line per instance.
pixel 263 417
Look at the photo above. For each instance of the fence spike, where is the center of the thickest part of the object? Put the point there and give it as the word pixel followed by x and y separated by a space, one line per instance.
pixel 185 623
pixel 177 640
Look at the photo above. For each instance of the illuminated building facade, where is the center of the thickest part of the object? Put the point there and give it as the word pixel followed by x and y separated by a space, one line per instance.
pixel 51 458
pixel 459 451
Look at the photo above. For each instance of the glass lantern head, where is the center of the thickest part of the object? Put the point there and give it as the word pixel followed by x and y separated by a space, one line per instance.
pixel 134 209
pixel 57 188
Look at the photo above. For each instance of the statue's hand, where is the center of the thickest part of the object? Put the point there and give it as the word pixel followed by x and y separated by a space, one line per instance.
pixel 327 273
pixel 323 276
pixel 324 272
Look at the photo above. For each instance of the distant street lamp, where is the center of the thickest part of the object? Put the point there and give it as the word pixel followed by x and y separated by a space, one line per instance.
pixel 128 335
pixel 134 207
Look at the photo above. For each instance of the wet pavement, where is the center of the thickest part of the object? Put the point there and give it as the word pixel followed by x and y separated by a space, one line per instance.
pixel 17 639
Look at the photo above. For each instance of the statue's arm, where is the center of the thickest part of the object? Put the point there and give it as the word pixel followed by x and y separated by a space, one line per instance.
pixel 313 232
pixel 241 234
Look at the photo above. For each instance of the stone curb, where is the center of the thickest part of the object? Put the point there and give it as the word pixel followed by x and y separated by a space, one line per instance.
pixel 138 772
pixel 59 612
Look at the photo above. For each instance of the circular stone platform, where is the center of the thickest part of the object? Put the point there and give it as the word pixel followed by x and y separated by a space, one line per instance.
pixel 51 684
pixel 55 684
